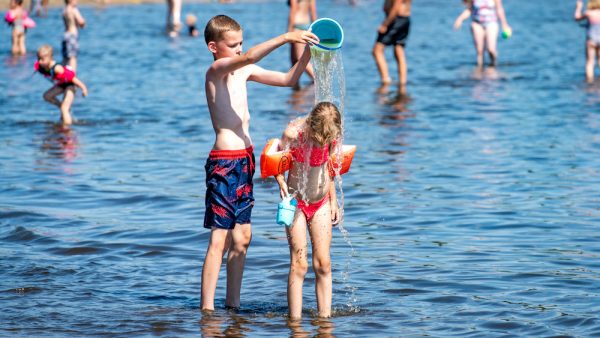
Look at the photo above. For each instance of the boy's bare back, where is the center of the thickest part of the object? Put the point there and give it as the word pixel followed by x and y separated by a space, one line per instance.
pixel 72 18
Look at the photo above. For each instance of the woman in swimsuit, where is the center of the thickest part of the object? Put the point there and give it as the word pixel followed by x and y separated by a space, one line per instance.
pixel 484 16
pixel 311 140
pixel 592 43
pixel 15 17
pixel 302 14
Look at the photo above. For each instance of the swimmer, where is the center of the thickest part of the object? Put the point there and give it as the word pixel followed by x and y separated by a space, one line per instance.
pixel 592 43
pixel 73 20
pixel 190 21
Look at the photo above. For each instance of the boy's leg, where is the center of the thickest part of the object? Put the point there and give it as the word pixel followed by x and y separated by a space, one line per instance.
pixel 217 246
pixel 51 94
pixel 297 242
pixel 478 40
pixel 241 236
pixel 491 38
pixel 320 235
pixel 402 67
pixel 65 106
pixel 379 56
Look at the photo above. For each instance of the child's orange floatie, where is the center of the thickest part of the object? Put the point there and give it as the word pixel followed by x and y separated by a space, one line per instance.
pixel 274 161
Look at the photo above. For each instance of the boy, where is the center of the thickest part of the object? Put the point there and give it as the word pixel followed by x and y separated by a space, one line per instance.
pixel 230 165
pixel 65 82
pixel 70 46
pixel 393 31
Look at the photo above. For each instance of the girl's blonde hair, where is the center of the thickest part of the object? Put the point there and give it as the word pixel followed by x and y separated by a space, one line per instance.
pixel 593 4
pixel 325 123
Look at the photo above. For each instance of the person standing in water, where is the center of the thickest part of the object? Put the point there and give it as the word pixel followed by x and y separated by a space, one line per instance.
pixel 70 45
pixel 592 43
pixel 393 31
pixel 173 17
pixel 484 26
pixel 302 14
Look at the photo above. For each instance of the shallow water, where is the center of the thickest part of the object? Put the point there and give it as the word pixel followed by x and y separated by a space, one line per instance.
pixel 472 204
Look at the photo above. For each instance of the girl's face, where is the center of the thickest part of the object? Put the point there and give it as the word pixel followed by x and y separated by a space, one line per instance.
pixel 45 59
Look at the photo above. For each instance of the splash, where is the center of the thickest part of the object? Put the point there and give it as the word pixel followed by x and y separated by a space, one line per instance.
pixel 330 86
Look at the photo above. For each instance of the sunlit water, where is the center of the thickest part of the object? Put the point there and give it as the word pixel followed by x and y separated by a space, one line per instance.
pixel 472 203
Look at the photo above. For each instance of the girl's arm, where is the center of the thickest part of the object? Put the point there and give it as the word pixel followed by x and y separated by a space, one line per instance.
pixel 289 134
pixel 288 79
pixel 313 10
pixel 335 209
pixel 293 8
pixel 462 17
pixel 502 15
pixel 579 15
pixel 81 85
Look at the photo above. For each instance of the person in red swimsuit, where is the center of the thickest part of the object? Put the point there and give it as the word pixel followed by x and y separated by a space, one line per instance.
pixel 64 79
pixel 311 140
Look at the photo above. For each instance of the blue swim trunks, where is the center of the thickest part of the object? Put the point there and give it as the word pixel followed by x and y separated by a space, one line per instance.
pixel 229 197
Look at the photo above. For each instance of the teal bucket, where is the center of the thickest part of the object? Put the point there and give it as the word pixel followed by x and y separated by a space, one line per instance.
pixel 285 211
pixel 330 33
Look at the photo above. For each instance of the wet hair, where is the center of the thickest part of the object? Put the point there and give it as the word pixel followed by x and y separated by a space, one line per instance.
pixel 593 4
pixel 44 49
pixel 19 2
pixel 217 26
pixel 325 123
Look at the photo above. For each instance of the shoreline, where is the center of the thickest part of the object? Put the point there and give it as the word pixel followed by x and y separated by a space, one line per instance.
pixel 4 4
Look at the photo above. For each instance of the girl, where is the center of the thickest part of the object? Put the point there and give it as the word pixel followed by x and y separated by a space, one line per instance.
pixel 484 26
pixel 302 14
pixel 18 19
pixel 592 44
pixel 311 140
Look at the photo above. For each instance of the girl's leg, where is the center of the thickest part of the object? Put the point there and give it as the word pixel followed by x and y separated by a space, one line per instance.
pixel 296 235
pixel 379 56
pixel 296 52
pixel 491 41
pixel 65 106
pixel 220 240
pixel 478 40
pixel 14 49
pixel 241 235
pixel 320 235
pixel 590 53
pixel 402 67
pixel 51 94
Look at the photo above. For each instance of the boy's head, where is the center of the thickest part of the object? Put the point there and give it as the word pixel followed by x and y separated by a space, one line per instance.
pixel 44 55
pixel 223 36
pixel 325 123
pixel 593 4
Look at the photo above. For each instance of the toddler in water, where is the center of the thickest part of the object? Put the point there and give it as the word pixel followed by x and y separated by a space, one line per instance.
pixel 64 80
pixel 592 44
pixel 484 26
pixel 311 140
pixel 70 45
pixel 16 17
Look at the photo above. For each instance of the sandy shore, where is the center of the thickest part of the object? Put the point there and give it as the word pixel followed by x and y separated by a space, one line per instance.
pixel 55 3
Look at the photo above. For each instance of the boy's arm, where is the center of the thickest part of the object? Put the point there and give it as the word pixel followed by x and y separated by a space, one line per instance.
pixel 225 66
pixel 79 18
pixel 288 79
pixel 392 14
pixel 579 11
pixel 81 85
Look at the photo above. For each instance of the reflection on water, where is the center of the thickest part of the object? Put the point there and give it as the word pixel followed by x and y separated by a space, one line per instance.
pixel 60 142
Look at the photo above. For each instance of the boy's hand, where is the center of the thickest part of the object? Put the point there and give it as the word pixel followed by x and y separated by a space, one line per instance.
pixel 301 37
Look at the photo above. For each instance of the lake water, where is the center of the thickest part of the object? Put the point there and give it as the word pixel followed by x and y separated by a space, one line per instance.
pixel 472 206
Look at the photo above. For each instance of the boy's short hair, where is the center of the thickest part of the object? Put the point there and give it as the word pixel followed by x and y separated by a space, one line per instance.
pixel 217 26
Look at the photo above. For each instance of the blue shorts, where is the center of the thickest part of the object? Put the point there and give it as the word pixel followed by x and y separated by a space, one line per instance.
pixel 229 197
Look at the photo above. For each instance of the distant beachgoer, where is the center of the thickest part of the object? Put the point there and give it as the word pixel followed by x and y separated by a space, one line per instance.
pixel 173 17
pixel 311 140
pixel 302 14
pixel 73 21
pixel 64 79
pixel 484 26
pixel 230 164
pixel 393 31
pixel 18 19
pixel 190 21
pixel 592 43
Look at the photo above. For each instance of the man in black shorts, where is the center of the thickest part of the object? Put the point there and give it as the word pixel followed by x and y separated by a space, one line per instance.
pixel 393 32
